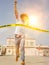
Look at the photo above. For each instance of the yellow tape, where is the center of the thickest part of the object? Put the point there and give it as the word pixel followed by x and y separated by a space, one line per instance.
pixel 33 28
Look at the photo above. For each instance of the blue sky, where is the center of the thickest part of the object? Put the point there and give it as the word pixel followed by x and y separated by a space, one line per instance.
pixel 31 7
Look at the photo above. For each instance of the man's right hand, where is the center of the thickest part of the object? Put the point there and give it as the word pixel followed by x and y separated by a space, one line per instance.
pixel 18 36
pixel 15 1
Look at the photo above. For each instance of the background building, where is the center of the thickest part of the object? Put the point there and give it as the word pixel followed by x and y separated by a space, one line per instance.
pixel 31 48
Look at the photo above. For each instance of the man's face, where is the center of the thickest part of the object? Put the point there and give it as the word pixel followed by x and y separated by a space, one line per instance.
pixel 25 19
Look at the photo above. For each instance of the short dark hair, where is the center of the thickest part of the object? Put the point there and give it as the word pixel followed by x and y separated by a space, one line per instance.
pixel 23 15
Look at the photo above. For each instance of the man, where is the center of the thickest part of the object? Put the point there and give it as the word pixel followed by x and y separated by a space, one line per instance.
pixel 19 34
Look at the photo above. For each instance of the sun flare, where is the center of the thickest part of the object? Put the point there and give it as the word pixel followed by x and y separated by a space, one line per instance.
pixel 33 20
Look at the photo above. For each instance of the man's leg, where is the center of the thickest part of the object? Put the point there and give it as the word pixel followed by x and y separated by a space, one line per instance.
pixel 22 51
pixel 17 40
pixel 17 52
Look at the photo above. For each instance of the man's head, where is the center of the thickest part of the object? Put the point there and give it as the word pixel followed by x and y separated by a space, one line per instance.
pixel 24 18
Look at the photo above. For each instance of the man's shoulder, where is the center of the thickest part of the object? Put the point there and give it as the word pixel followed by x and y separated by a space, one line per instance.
pixel 18 22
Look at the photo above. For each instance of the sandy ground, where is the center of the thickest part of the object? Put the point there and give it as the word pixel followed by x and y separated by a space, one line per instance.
pixel 29 60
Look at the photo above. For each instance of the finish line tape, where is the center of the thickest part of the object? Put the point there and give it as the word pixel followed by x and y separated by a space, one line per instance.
pixel 33 28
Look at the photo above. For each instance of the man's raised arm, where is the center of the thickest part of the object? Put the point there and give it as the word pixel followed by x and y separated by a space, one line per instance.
pixel 15 9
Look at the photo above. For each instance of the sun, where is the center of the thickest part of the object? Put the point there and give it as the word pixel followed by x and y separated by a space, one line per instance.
pixel 33 20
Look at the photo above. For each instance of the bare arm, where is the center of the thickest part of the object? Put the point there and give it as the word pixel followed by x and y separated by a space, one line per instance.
pixel 15 9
